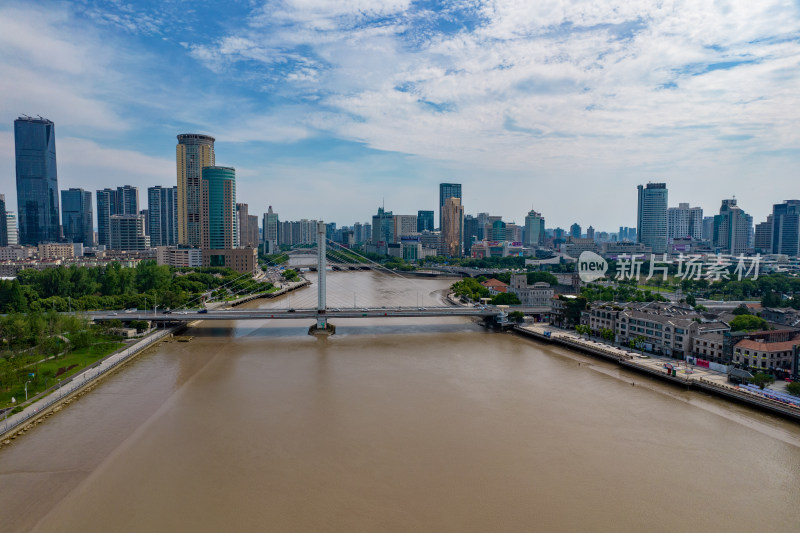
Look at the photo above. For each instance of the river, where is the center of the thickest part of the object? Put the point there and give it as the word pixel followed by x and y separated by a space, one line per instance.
pixel 394 425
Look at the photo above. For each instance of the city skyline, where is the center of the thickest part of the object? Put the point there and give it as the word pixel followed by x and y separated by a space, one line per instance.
pixel 356 103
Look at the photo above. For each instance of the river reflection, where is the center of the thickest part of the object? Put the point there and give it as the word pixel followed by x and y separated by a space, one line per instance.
pixel 394 425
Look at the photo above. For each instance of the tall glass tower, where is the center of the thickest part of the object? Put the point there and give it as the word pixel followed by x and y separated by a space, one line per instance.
pixel 77 216
pixel 37 181
pixel 447 190
pixel 162 208
pixel 194 151
pixel 218 221
pixel 651 219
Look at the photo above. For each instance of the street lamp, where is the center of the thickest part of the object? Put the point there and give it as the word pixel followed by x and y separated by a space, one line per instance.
pixel 26 390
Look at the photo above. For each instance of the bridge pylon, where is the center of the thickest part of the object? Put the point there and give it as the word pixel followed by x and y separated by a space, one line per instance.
pixel 322 327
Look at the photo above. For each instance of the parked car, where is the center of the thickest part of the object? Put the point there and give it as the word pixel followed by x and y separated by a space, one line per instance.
pixel 203 311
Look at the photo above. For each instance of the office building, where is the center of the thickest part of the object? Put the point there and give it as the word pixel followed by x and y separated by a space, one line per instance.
pixel 37 180
pixel 193 152
pixel 590 233
pixel 651 219
pixel 684 222
pixel 11 228
pixel 575 231
pixel 220 229
pixel 127 233
pixel 763 237
pixel 106 206
pixel 453 226
pixel 162 214
pixel 404 225
pixel 424 221
pixel 447 190
pixel 270 228
pixel 708 229
pixel 127 200
pixel 3 221
pixel 248 227
pixel 382 228
pixel 732 229
pixel 77 216
pixel 534 229
pixel 786 228
pixel 470 233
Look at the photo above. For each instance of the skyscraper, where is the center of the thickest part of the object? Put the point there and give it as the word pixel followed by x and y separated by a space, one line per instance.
pixel 684 221
pixel 575 231
pixel 763 237
pixel 453 226
pixel 218 215
pixel 424 221
pixel 382 228
pixel 447 190
pixel 193 152
pixel 77 216
pixel 3 222
pixel 732 228
pixel 127 201
pixel 126 232
pixel 162 212
pixel 248 227
pixel 786 228
pixel 651 219
pixel 270 228
pixel 534 228
pixel 106 206
pixel 37 180
pixel 470 233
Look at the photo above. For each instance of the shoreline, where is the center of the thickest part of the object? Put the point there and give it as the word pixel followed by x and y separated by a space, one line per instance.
pixel 633 362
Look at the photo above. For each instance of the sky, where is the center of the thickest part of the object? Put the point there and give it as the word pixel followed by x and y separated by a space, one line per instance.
pixel 330 108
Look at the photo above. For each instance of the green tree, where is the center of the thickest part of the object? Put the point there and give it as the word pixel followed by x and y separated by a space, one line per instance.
pixel 506 298
pixel 690 300
pixel 748 323
pixel 741 310
pixel 762 380
pixel 793 388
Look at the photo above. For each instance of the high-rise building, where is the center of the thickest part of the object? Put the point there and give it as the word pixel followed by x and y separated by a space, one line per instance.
pixel 534 228
pixel 37 180
pixel 3 221
pixel 193 152
pixel 248 227
pixel 708 229
pixel 590 233
pixel 786 228
pixel 11 227
pixel 732 229
pixel 453 226
pixel 470 233
pixel 127 233
pixel 218 221
pixel 77 216
pixel 106 206
pixel 575 231
pixel 162 213
pixel 271 235
pixel 447 190
pixel 382 227
pixel 651 219
pixel 483 220
pixel 763 237
pixel 404 225
pixel 127 200
pixel 685 222
pixel 424 221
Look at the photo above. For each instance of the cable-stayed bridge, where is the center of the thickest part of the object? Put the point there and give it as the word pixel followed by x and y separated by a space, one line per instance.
pixel 319 309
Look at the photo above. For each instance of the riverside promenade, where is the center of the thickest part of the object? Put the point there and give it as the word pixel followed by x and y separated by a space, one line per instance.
pixel 50 401
pixel 686 375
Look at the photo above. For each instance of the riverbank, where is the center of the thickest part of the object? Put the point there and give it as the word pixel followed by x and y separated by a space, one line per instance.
pixel 55 398
pixel 697 378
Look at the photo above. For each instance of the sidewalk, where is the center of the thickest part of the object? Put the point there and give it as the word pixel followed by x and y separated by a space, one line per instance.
pixel 39 404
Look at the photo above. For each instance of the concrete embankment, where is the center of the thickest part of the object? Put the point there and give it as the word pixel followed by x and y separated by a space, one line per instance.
pixel 650 366
pixel 283 290
pixel 57 397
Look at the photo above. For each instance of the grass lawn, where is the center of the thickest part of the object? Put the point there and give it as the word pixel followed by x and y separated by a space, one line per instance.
pixel 45 372
pixel 653 288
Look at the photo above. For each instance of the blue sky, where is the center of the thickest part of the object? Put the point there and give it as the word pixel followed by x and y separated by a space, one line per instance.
pixel 329 108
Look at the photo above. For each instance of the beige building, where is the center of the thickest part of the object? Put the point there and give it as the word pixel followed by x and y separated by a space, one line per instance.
pixel 193 152
pixel 758 353
pixel 537 295
pixel 452 227
pixel 54 250
pixel 239 259
pixel 179 257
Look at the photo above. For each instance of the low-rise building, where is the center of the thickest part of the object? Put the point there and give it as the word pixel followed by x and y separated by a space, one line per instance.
pixel 495 286
pixel 55 250
pixel 179 257
pixel 539 294
pixel 239 259
pixel 775 357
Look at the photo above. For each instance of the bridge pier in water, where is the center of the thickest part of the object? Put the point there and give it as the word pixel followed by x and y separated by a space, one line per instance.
pixel 322 327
